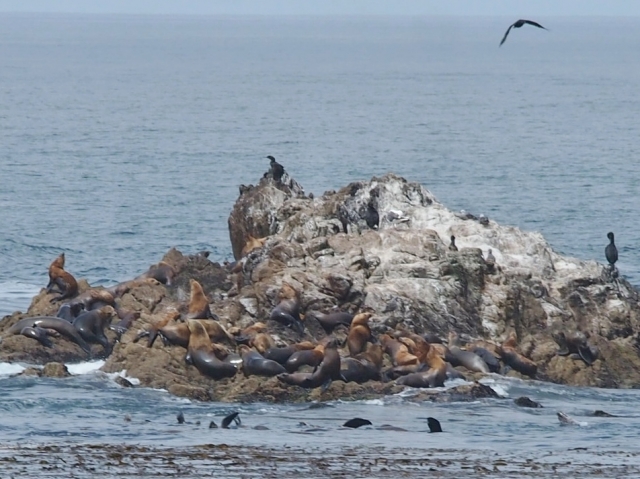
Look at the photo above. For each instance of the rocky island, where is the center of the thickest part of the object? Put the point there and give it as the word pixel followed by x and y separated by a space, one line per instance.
pixel 379 274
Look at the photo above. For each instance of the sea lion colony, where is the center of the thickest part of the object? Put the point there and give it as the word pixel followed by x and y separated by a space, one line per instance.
pixel 356 347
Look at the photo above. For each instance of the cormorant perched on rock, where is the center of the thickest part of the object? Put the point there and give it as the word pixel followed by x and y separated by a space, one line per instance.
pixel 611 252
pixel 277 170
pixel 518 24
pixel 452 246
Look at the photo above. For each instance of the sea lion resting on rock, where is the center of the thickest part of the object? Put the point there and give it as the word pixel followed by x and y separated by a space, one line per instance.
pixel 127 318
pixel 198 303
pixel 575 343
pixel 398 351
pixel 161 272
pixel 251 244
pixel 282 354
pixel 364 367
pixel 309 357
pixel 94 299
pixel 359 333
pixel 200 353
pixel 91 325
pixel 328 370
pixel 69 312
pixel 254 364
pixel 152 332
pixel 62 326
pixel 330 321
pixel 517 361
pixel 433 377
pixel 469 360
pixel 287 311
pixel 39 334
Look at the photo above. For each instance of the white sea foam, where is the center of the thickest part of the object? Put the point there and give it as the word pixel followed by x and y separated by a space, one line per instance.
pixel 85 368
pixel 123 374
pixel 9 369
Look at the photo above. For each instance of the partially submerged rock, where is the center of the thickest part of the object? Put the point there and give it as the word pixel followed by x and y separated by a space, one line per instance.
pixel 381 245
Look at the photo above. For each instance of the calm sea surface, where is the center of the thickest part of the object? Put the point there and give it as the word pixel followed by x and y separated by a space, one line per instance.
pixel 122 136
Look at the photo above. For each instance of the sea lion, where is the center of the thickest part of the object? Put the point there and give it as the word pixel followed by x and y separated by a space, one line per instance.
pixel 201 354
pixel 262 342
pixel 245 335
pixel 161 272
pixel 287 311
pixel 94 299
pixel 359 333
pixel 491 360
pixel 361 369
pixel 330 321
pixel 398 351
pixel 251 244
pixel 233 417
pixel 69 311
pixel 62 326
pixel 327 371
pixel 198 303
pixel 127 318
pixel 357 422
pixel 517 361
pixel 66 283
pixel 469 360
pixel 575 343
pixel 254 364
pixel 39 334
pixel 282 354
pixel 434 425
pixel 309 357
pixel 152 332
pixel 91 325
pixel 177 334
pixel 433 377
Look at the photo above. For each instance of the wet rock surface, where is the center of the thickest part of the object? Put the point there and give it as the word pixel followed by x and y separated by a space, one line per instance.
pixel 383 246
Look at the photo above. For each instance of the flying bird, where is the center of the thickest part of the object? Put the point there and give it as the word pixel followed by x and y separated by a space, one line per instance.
pixel 518 24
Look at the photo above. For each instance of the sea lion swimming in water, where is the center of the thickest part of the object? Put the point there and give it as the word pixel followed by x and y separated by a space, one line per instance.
pixel 254 364
pixel 287 311
pixel 200 353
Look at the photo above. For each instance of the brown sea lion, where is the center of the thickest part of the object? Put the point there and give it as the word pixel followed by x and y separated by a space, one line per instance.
pixel 94 299
pixel 198 303
pixel 398 351
pixel 66 283
pixel 364 367
pixel 161 272
pixel 310 357
pixel 514 359
pixel 177 334
pixel 152 332
pixel 251 244
pixel 62 326
pixel 262 342
pixel 200 353
pixel 359 333
pixel 287 311
pixel 330 321
pixel 254 364
pixel 433 377
pixel 91 325
pixel 282 354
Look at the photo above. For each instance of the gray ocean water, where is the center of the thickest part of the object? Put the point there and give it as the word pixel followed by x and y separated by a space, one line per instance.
pixel 122 136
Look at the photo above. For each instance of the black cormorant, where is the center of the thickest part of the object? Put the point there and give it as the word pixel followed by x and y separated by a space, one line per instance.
pixel 518 24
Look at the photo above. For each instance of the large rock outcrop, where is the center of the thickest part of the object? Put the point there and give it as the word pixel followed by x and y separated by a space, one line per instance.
pixel 383 245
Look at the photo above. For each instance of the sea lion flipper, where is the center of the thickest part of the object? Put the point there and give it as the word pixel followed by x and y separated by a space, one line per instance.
pixel 326 385
pixel 141 334
pixel 563 352
pixel 587 355
pixel 233 417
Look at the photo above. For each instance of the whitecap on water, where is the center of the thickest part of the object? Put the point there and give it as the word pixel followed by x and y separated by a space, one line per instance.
pixel 123 374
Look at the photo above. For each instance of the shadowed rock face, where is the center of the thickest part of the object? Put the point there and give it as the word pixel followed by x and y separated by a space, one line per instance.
pixel 383 245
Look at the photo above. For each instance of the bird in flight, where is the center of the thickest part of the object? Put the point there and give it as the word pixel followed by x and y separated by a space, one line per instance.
pixel 518 24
